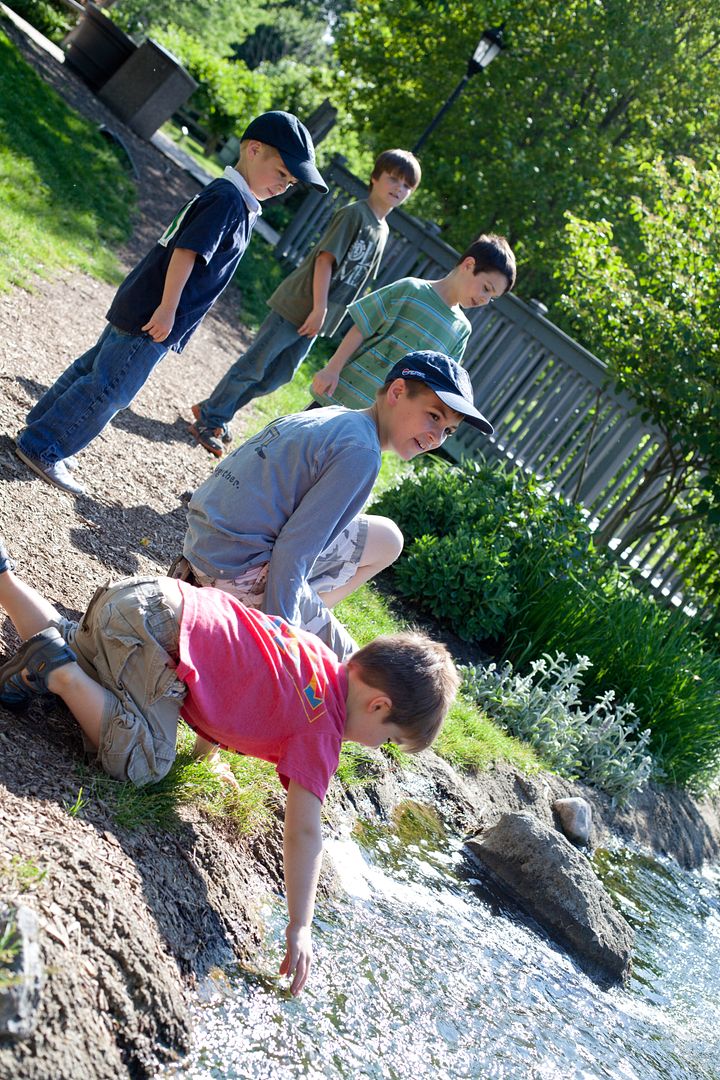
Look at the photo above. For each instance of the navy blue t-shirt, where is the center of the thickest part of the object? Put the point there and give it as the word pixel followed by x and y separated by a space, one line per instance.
pixel 216 225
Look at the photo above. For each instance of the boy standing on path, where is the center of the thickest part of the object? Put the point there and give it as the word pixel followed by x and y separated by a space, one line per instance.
pixel 149 650
pixel 279 525
pixel 313 299
pixel 413 314
pixel 163 300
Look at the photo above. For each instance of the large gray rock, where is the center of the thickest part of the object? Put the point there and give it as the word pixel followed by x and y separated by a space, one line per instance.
pixel 556 885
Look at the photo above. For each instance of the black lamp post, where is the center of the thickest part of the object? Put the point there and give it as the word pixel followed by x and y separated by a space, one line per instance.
pixel 487 49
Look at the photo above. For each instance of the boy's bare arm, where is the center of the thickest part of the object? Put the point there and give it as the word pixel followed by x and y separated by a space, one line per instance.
pixel 325 381
pixel 179 269
pixel 302 847
pixel 322 273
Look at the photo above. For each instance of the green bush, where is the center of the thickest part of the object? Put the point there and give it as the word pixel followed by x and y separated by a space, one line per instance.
pixel 50 17
pixel 482 541
pixel 598 744
pixel 228 94
pixel 648 654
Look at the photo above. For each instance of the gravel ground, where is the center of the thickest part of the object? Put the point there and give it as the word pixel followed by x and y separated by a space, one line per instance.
pixel 131 520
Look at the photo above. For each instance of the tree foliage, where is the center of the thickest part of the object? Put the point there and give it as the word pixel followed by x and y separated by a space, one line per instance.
pixel 587 90
pixel 650 308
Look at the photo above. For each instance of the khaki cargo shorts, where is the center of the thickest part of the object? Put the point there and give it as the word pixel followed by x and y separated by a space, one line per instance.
pixel 128 642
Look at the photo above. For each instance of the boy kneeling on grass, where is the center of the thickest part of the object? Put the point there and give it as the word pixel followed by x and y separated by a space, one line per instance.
pixel 149 650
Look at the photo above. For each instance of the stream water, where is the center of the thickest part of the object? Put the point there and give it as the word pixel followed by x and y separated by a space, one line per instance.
pixel 420 973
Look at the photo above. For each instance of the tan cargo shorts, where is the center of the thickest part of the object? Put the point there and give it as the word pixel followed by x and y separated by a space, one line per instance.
pixel 128 642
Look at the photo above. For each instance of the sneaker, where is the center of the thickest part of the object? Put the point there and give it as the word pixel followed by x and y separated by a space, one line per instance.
pixel 40 655
pixel 207 438
pixel 222 432
pixel 6 562
pixel 57 474
pixel 16 695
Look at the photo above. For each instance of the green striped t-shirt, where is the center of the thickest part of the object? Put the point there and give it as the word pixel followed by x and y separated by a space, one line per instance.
pixel 396 320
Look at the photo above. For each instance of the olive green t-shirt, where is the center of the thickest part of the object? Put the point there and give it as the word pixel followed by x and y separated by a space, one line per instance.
pixel 356 239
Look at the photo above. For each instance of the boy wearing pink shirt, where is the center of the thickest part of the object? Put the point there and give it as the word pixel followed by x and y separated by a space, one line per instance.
pixel 151 650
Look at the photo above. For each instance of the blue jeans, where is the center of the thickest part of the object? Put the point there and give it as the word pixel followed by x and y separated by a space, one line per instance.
pixel 272 360
pixel 87 395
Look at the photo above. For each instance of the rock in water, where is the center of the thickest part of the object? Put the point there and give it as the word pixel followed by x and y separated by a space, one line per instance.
pixel 21 974
pixel 575 817
pixel 556 885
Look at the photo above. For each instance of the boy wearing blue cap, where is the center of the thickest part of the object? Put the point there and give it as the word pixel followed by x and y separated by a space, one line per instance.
pixel 163 300
pixel 279 523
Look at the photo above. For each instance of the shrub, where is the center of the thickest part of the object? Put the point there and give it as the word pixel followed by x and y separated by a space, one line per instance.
pixel 598 744
pixel 228 94
pixel 50 17
pixel 483 541
pixel 651 655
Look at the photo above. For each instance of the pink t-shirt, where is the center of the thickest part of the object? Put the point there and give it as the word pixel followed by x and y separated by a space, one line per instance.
pixel 261 687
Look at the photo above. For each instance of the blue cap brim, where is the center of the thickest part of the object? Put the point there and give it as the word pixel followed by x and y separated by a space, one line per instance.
pixel 460 405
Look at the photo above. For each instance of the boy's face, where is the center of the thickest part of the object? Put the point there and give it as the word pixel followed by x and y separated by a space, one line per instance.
pixel 419 423
pixel 265 171
pixel 391 191
pixel 478 289
pixel 372 729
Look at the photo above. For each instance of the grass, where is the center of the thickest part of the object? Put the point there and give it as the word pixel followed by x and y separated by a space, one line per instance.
pixel 188 782
pixel 64 196
pixel 24 873
pixel 469 740
pixel 192 147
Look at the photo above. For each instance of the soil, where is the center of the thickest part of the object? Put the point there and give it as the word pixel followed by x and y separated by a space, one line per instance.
pixel 129 921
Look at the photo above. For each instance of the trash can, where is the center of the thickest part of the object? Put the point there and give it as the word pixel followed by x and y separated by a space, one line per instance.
pixel 96 48
pixel 148 88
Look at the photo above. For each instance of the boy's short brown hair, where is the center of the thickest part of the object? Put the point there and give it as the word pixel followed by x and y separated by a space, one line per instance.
pixel 419 677
pixel 398 163
pixel 492 252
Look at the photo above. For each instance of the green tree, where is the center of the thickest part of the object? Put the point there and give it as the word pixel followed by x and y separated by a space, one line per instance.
pixel 216 24
pixel 650 309
pixel 587 90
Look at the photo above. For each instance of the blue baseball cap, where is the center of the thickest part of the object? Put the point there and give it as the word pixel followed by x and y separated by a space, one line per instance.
pixel 450 382
pixel 291 139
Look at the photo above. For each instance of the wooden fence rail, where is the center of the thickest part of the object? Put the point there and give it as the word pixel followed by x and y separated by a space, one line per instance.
pixel 550 400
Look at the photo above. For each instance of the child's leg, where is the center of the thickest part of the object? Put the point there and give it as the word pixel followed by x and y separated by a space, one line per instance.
pixel 28 610
pixel 383 544
pixel 86 699
pixel 120 367
pixel 238 385
pixel 129 638
pixel 75 371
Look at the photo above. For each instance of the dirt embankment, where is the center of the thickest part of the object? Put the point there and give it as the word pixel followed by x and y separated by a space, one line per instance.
pixel 129 920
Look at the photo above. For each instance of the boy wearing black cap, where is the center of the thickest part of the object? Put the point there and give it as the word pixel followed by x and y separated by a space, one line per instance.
pixel 164 299
pixel 279 523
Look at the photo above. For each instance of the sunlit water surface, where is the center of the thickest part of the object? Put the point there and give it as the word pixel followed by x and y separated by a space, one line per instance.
pixel 418 974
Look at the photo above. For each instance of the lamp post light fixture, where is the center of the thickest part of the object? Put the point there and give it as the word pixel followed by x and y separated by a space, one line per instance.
pixel 485 52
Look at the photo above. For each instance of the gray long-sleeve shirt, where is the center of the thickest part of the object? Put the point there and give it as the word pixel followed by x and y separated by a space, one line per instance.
pixel 283 497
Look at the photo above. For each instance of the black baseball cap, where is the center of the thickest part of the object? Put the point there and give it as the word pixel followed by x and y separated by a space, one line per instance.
pixel 450 382
pixel 292 141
